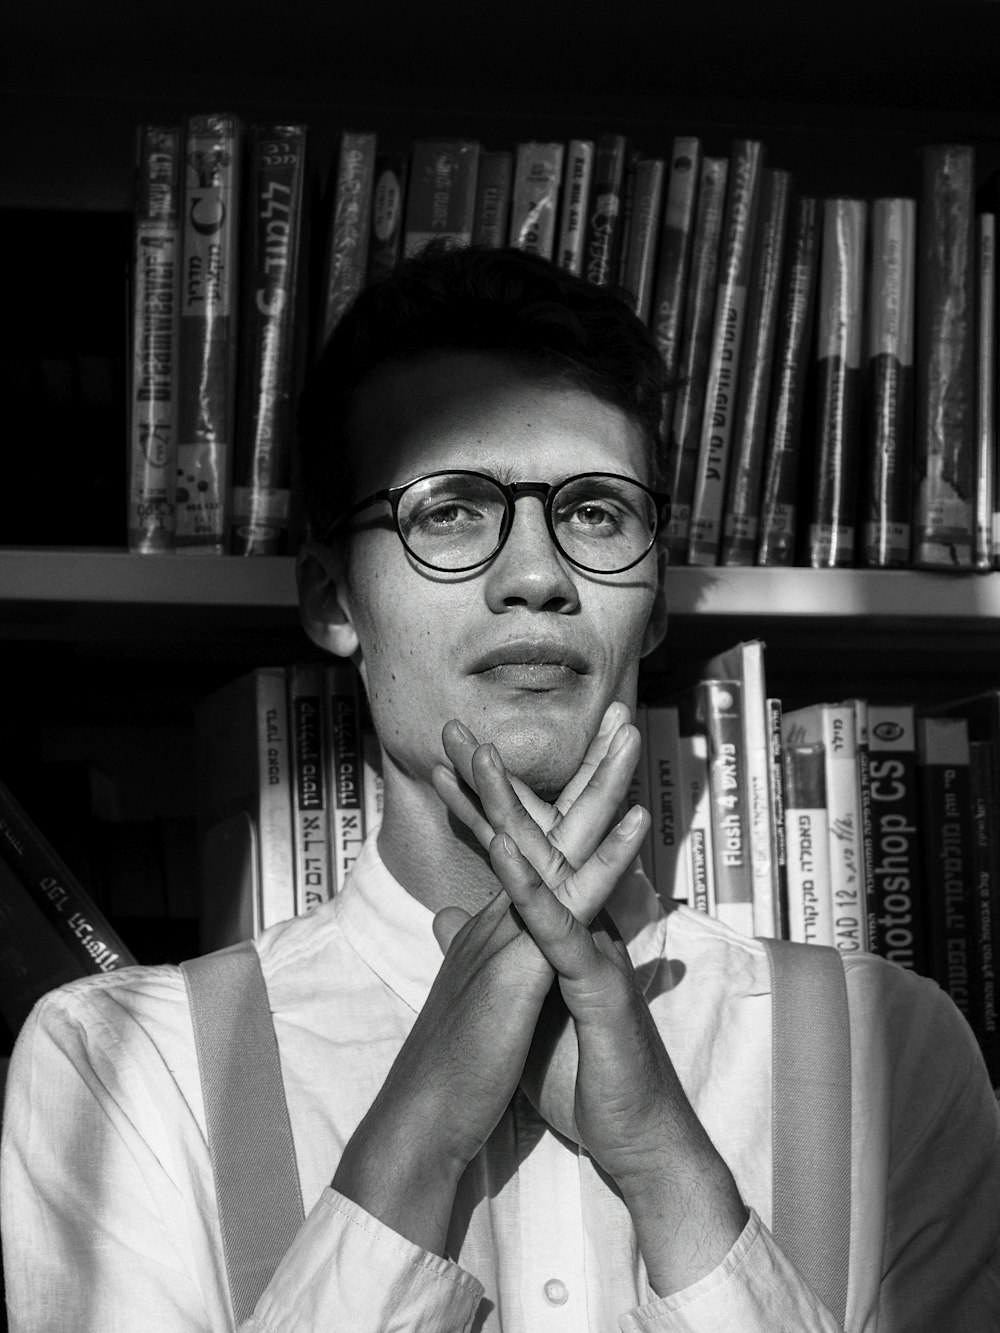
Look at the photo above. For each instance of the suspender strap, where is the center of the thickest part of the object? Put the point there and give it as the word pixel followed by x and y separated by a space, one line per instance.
pixel 811 1094
pixel 249 1132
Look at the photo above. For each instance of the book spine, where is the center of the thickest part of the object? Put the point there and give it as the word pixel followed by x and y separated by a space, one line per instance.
pixel 862 731
pixel 262 462
pixel 729 321
pixel 692 371
pixel 276 866
pixel 441 200
pixel 839 329
pixel 153 382
pixel 742 508
pixel 213 150
pixel 538 169
pixel 843 801
pixel 944 516
pixel 349 227
pixel 640 790
pixel 986 350
pixel 674 257
pixel 984 901
pixel 604 211
pixel 810 910
pixel 779 839
pixel 888 416
pixel 491 226
pixel 576 196
pixel 722 705
pixel 625 216
pixel 671 871
pixel 346 771
pixel 57 892
pixel 946 794
pixel 782 454
pixel 696 822
pixel 644 227
pixel 309 750
pixel 896 917
pixel 385 235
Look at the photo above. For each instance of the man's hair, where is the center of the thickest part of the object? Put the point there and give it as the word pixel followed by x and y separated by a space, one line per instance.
pixel 542 320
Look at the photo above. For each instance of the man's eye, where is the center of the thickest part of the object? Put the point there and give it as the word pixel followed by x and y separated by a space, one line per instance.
pixel 594 515
pixel 446 514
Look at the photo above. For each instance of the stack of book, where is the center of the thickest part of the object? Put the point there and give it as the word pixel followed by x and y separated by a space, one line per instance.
pixel 833 357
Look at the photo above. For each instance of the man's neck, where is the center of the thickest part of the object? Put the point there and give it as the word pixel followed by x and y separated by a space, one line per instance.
pixel 434 858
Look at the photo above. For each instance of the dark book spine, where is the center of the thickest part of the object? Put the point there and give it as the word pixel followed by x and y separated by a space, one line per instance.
pixel 441 199
pixel 944 514
pixel 743 487
pixel 783 451
pixel 746 170
pixel 986 351
pixel 779 835
pixel 385 236
pixel 888 411
pixel 674 258
pixel 491 225
pixel 897 907
pixel 946 799
pixel 155 329
pixel 604 212
pixel 213 150
pixel 692 370
pixel 647 204
pixel 985 899
pixel 575 200
pixel 810 912
pixel 538 171
pixel 262 463
pixel 309 750
pixel 348 227
pixel 54 888
pixel 345 772
pixel 839 326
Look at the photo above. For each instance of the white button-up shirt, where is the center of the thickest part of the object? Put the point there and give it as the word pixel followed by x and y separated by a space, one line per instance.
pixel 108 1207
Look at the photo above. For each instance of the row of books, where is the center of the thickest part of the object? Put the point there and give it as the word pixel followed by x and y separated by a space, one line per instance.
pixel 833 358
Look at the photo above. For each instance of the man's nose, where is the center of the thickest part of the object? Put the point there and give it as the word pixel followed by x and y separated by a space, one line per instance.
pixel 530 571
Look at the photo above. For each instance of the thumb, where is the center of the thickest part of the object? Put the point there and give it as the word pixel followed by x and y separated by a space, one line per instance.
pixel 447 923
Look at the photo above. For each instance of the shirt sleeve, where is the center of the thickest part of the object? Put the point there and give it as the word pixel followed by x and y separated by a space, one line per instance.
pixel 939 1270
pixel 108 1207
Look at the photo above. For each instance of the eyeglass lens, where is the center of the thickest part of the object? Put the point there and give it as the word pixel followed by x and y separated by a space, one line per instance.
pixel 454 521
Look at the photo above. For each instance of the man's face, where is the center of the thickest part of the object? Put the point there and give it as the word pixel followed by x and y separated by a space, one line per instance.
pixel 526 650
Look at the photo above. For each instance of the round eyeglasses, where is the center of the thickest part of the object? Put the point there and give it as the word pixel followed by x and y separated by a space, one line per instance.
pixel 456 521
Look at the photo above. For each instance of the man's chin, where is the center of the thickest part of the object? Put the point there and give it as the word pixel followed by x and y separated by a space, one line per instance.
pixel 543 757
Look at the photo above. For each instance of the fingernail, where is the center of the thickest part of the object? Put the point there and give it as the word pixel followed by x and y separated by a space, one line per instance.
pixel 463 731
pixel 619 741
pixel 494 757
pixel 629 826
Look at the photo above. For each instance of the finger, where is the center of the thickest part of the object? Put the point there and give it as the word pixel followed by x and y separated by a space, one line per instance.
pixel 506 813
pixel 615 715
pixel 462 803
pixel 597 805
pixel 446 925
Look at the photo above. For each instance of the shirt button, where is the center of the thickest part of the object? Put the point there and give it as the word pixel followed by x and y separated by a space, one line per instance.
pixel 556 1292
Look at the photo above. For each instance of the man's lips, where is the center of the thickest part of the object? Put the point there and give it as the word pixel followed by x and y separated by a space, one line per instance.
pixel 531 653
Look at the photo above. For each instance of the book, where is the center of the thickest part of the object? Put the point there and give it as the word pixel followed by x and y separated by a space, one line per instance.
pixel 943 759
pixel 776 796
pixel 666 318
pixel 896 915
pixel 945 410
pixel 862 736
pixel 721 704
pixel 57 892
pixel 265 421
pixel 692 369
pixel 839 340
pixel 213 152
pixel 572 237
pixel 985 900
pixel 345 265
pixel 810 907
pixel 603 235
pixel 887 435
pixel 491 225
pixel 671 871
pixel 309 753
pixel 441 199
pixel 741 513
pixel 638 265
pixel 537 181
pixel 695 806
pixel 986 351
pixel 345 767
pixel 154 335
pixel 385 234
pixel 640 789
pixel 779 506
pixel 832 726
pixel 746 168
pixel 244 807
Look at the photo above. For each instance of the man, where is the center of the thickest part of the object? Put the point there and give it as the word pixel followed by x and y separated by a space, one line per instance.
pixel 527 1124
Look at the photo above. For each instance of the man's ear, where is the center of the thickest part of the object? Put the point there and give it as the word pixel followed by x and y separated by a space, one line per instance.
pixel 656 626
pixel 323 605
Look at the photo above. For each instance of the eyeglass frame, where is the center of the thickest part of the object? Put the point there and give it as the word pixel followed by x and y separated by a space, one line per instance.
pixel 543 490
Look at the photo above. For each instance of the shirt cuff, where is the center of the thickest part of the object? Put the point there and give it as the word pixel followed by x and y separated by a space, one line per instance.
pixel 346 1269
pixel 754 1289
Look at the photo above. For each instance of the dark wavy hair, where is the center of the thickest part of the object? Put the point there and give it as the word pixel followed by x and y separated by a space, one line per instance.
pixel 537 317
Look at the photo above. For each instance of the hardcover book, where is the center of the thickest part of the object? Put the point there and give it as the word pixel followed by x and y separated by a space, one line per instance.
pixel 604 212
pixel 537 181
pixel 670 870
pixel 385 235
pixel 349 227
pixel 307 717
pixel 674 257
pixel 441 199
pixel 491 226
pixel 638 265
pixel 576 196
pixel 986 352
pixel 346 771
pixel 810 908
